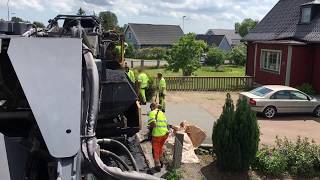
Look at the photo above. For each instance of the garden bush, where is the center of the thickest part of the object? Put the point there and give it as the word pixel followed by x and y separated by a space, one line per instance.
pixel 215 57
pixel 299 158
pixel 307 88
pixel 154 53
pixel 238 55
pixel 235 136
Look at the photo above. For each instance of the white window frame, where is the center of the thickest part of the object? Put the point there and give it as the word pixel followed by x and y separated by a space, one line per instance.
pixel 262 61
pixel 306 12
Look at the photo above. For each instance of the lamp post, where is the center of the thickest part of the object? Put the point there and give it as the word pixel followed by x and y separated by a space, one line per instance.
pixel 183 23
pixel 8 10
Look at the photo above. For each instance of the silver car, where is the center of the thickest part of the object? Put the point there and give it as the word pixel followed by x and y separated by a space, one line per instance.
pixel 273 99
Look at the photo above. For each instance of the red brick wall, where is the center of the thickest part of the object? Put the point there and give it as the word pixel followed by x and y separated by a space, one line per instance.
pixel 301 65
pixel 265 77
pixel 316 69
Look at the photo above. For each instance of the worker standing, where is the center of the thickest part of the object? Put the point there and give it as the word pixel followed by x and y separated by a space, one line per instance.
pixel 143 85
pixel 158 125
pixel 130 73
pixel 162 91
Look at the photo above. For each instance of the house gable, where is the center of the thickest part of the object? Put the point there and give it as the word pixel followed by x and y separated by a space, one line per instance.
pixel 224 45
pixel 151 35
pixel 130 37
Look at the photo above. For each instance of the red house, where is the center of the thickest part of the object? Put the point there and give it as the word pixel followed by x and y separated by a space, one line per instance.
pixel 284 48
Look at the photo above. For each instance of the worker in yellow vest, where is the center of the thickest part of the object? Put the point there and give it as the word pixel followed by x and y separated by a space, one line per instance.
pixel 130 73
pixel 162 91
pixel 158 125
pixel 143 80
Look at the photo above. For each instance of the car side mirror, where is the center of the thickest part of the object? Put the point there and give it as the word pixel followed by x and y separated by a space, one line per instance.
pixel 309 99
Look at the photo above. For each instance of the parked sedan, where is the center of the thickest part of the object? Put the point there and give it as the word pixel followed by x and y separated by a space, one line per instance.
pixel 274 99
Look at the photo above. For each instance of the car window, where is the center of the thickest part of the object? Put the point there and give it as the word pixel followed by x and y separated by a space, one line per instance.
pixel 261 91
pixel 298 96
pixel 281 95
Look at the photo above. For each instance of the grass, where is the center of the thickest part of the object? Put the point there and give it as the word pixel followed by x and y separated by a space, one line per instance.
pixel 227 70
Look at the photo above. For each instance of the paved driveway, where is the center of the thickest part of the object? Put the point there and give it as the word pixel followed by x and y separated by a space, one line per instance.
pixel 203 108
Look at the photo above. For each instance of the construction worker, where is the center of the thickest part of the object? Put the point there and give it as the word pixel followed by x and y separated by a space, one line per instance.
pixel 158 125
pixel 143 85
pixel 130 73
pixel 162 91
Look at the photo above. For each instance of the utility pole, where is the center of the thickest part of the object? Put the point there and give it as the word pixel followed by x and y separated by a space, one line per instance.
pixel 183 23
pixel 8 10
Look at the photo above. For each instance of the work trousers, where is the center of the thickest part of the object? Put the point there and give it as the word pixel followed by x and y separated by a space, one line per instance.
pixel 143 95
pixel 162 101
pixel 157 146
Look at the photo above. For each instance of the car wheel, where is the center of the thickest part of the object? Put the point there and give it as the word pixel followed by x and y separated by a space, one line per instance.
pixel 317 111
pixel 270 112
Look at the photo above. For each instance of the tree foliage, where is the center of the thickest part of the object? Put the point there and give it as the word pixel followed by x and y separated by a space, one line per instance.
pixel 245 26
pixel 109 20
pixel 16 19
pixel 38 24
pixel 81 12
pixel 215 57
pixel 235 136
pixel 238 55
pixel 186 54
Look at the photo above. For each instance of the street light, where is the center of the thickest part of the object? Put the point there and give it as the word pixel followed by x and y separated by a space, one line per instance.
pixel 183 23
pixel 8 10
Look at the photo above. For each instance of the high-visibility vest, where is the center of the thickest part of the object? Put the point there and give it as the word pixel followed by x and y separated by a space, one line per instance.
pixel 158 117
pixel 162 86
pixel 131 76
pixel 143 80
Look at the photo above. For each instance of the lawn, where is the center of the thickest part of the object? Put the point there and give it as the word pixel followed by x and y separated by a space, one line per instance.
pixel 227 70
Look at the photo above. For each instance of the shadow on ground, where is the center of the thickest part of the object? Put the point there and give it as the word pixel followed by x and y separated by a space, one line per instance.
pixel 290 117
pixel 211 171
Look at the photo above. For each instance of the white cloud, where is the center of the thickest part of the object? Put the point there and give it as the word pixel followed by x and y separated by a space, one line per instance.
pixel 203 11
pixel 24 4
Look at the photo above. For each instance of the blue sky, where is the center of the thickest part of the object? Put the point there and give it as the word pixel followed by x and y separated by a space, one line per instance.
pixel 201 14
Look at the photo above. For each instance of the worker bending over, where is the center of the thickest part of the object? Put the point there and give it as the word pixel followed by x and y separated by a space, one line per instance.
pixel 143 85
pixel 157 122
pixel 130 73
pixel 162 91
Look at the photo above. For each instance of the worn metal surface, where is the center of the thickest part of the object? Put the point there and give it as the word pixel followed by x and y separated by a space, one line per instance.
pixel 49 71
pixel 4 168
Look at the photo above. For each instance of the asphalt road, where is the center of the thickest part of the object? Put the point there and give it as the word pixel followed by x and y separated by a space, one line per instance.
pixel 204 108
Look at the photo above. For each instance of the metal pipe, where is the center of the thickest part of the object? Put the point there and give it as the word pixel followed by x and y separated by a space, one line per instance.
pixel 116 158
pixel 110 141
pixel 89 145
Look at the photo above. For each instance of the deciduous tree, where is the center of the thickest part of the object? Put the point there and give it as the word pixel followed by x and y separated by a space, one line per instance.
pixel 245 26
pixel 38 24
pixel 109 20
pixel 215 57
pixel 186 54
pixel 239 55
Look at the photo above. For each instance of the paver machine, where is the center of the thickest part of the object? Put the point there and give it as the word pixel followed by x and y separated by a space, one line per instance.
pixel 67 109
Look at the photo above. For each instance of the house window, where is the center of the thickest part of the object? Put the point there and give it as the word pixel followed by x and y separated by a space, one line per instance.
pixel 306 15
pixel 129 35
pixel 270 60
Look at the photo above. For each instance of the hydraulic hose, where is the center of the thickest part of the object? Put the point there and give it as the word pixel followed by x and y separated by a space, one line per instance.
pixel 90 109
pixel 115 157
pixel 111 141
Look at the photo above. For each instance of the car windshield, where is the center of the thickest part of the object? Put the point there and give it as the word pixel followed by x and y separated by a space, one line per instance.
pixel 261 91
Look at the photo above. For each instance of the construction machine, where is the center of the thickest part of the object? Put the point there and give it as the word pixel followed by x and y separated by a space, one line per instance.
pixel 67 109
